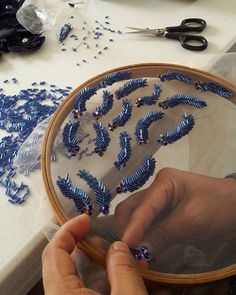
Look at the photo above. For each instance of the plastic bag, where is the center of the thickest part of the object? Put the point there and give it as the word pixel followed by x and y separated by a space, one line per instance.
pixel 38 16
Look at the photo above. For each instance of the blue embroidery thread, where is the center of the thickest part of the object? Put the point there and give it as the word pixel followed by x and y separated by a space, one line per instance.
pixel 103 195
pixel 69 137
pixel 130 87
pixel 123 116
pixel 125 150
pixel 102 138
pixel 112 78
pixel 150 100
pixel 106 105
pixel 81 199
pixel 181 130
pixel 177 99
pixel 141 129
pixel 214 88
pixel 175 76
pixel 139 178
pixel 80 100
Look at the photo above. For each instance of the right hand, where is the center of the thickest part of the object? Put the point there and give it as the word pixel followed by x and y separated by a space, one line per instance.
pixel 179 207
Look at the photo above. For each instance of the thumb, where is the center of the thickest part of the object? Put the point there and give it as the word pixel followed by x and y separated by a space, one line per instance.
pixel 122 271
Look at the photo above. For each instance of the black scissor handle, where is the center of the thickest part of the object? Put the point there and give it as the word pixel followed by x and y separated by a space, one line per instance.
pixel 189 25
pixel 187 40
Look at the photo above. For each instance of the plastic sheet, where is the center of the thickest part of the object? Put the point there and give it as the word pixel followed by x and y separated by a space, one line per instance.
pixel 208 149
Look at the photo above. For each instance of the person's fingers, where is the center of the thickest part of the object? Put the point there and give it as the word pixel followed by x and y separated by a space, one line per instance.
pixel 155 200
pixel 161 235
pixel 59 271
pixel 124 211
pixel 122 271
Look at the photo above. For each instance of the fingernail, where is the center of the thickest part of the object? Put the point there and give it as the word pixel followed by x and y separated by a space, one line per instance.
pixel 120 246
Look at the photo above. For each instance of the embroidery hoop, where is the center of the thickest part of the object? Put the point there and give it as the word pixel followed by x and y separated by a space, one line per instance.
pixel 139 70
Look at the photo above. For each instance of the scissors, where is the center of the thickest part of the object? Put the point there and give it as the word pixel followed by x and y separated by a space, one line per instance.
pixel 187 41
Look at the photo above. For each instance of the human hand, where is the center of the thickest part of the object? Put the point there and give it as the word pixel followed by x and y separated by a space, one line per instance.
pixel 179 207
pixel 59 272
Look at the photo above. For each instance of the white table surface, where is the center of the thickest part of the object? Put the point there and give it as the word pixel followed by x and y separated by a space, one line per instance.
pixel 21 227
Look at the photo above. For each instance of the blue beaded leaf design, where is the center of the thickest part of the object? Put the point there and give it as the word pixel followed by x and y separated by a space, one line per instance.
pixel 150 100
pixel 102 138
pixel 69 190
pixel 141 129
pixel 103 195
pixel 125 150
pixel 130 87
pixel 69 137
pixel 175 76
pixel 106 105
pixel 112 78
pixel 64 32
pixel 214 88
pixel 139 178
pixel 80 100
pixel 182 129
pixel 177 99
pixel 123 116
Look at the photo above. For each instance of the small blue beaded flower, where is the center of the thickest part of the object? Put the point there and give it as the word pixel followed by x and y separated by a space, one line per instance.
pixel 141 129
pixel 150 100
pixel 177 99
pixel 123 116
pixel 106 105
pixel 81 199
pixel 102 138
pixel 103 195
pixel 214 88
pixel 175 76
pixel 80 100
pixel 130 87
pixel 112 78
pixel 142 253
pixel 69 137
pixel 125 152
pixel 182 129
pixel 139 178
pixel 64 32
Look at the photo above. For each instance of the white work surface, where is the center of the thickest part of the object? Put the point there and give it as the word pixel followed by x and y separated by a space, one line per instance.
pixel 21 227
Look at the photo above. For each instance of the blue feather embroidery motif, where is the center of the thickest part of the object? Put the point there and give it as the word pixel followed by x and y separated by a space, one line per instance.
pixel 177 99
pixel 130 87
pixel 106 105
pixel 182 129
pixel 80 100
pixel 103 195
pixel 214 88
pixel 141 129
pixel 80 198
pixel 139 178
pixel 69 137
pixel 102 138
pixel 125 152
pixel 113 78
pixel 123 116
pixel 175 76
pixel 150 100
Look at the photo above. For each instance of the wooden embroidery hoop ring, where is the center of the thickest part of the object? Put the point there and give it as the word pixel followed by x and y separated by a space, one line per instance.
pixel 138 70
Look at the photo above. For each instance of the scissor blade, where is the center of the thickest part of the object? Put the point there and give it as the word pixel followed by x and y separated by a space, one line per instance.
pixel 141 30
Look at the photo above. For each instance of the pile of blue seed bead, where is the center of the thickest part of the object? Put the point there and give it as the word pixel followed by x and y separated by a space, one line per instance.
pixel 20 113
